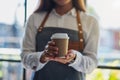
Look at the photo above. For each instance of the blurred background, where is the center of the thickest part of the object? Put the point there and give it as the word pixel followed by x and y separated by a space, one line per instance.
pixel 13 15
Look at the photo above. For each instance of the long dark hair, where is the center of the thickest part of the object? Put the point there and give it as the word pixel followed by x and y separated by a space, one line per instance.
pixel 47 5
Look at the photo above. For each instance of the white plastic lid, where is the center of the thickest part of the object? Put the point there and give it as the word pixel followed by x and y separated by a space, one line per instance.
pixel 60 36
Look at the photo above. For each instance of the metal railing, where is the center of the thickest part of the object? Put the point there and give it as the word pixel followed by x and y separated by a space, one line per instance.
pixel 24 71
pixel 17 61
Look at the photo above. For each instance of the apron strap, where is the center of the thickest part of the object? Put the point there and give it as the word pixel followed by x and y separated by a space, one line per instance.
pixel 43 22
pixel 80 33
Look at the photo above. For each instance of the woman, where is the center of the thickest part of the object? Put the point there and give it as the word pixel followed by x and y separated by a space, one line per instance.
pixel 60 16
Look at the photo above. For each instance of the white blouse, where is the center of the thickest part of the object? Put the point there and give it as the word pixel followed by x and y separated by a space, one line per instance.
pixel 83 63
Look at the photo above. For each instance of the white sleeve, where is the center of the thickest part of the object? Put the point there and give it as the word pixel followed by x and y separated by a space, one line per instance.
pixel 31 60
pixel 86 61
pixel 29 57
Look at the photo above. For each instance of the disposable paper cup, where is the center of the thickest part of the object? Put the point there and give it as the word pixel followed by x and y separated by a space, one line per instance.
pixel 61 41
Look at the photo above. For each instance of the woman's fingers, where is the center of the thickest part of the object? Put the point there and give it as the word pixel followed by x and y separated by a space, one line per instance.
pixel 51 49
pixel 70 51
pixel 70 57
pixel 61 60
pixel 70 54
pixel 51 43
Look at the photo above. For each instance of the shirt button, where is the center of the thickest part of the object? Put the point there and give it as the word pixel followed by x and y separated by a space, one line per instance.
pixel 81 40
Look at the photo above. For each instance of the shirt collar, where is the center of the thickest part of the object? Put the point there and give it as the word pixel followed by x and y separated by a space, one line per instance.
pixel 71 12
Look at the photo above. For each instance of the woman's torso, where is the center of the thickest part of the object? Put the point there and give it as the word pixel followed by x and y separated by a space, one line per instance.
pixel 56 23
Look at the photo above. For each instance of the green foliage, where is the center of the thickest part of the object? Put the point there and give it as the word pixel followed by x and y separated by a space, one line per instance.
pixel 114 75
pixel 105 74
pixel 99 76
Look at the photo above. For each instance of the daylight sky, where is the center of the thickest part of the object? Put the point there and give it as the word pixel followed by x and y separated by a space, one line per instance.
pixel 108 12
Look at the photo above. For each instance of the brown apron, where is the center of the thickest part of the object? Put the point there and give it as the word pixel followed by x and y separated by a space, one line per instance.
pixel 55 70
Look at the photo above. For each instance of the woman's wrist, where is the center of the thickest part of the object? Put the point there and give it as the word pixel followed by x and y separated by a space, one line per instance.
pixel 43 58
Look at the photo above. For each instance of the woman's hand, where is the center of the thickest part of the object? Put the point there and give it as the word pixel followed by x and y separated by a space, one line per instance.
pixel 50 52
pixel 68 58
